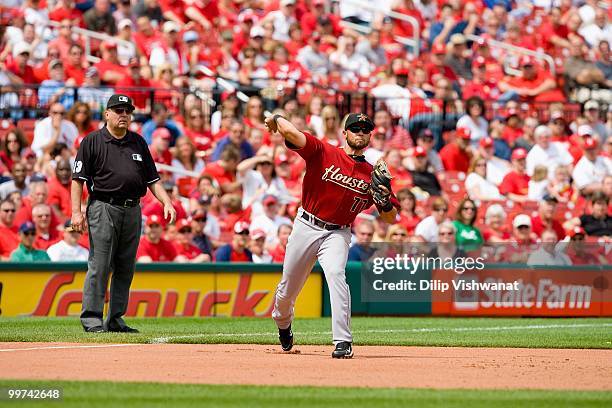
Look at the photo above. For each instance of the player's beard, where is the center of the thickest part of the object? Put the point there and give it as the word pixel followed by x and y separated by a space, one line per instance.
pixel 357 145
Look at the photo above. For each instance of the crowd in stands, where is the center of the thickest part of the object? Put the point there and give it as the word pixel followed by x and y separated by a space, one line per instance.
pixel 487 144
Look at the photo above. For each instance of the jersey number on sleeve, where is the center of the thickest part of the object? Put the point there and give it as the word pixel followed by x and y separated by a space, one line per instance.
pixel 358 204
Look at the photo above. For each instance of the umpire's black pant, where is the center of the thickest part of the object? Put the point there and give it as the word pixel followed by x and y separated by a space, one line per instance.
pixel 114 233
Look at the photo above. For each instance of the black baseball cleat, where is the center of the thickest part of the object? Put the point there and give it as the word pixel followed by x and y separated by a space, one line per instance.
pixel 286 338
pixel 95 329
pixel 124 329
pixel 344 349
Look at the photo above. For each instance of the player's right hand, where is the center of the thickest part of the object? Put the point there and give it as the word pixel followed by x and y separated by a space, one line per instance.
pixel 78 222
pixel 271 124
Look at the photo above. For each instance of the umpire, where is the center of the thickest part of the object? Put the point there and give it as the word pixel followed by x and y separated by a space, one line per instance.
pixel 117 167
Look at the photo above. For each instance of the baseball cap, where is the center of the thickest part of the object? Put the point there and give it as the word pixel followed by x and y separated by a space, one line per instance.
pixel 555 115
pixel 153 220
pixel 20 48
pixel 55 63
pixel 241 227
pixel 91 72
pixel 592 104
pixel 542 130
pixel 576 231
pixel 518 154
pixel 269 199
pixel 281 158
pixel 359 118
pixel 590 143
pixel 287 2
pixel 464 133
pixel 126 22
pixel 521 220
pixel 247 15
pixel 486 142
pixel 27 226
pixel 257 31
pixel 438 49
pixel 182 224
pixel 258 233
pixel 458 39
pixel 170 26
pixel 585 130
pixel 190 36
pixel 418 151
pixel 162 133
pixel 119 100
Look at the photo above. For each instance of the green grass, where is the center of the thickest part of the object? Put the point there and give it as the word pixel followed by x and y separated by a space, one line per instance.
pixel 108 394
pixel 413 331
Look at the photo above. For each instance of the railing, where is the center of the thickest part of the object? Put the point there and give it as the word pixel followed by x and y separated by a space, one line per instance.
pixel 518 50
pixel 413 42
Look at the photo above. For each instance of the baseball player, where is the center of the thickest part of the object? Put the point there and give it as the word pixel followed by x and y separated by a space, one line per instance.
pixel 338 185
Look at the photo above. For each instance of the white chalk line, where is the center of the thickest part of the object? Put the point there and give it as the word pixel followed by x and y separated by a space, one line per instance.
pixel 69 347
pixel 162 340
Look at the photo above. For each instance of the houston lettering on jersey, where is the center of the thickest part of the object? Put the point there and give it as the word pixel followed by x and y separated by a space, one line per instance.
pixel 334 175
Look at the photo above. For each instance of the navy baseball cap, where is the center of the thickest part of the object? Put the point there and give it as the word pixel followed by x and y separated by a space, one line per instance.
pixel 120 100
pixel 27 226
pixel 359 118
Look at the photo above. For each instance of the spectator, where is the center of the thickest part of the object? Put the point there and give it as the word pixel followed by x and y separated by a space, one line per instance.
pixel 467 235
pixel 550 154
pixel 100 18
pixel 150 9
pixel 425 139
pixel 376 148
pixel 482 83
pixel 93 93
pixel 19 67
pixel 282 19
pixel 75 66
pixel 152 247
pixel 331 125
pixel 578 252
pixel 495 230
pixel 68 249
pixel 169 50
pixel 522 238
pixel 59 190
pixel 270 221
pixel 236 139
pixel 52 130
pixel 591 169
pixel 407 214
pixel 258 249
pixel 533 85
pixel 46 234
pixel 80 116
pixel 497 168
pixel 599 222
pixel 515 184
pixel 140 96
pixel 371 49
pixel 146 37
pixel 538 184
pixel 237 250
pixel 447 247
pixel 9 239
pixel 254 114
pixel 19 183
pixel 396 234
pixel 545 218
pixel 313 58
pixel 396 136
pixel 38 194
pixel 474 120
pixel 186 158
pixel 361 251
pixel 457 59
pixel 159 146
pixel 185 249
pixel 26 252
pixel 560 186
pixel 199 220
pixel 110 70
pixel 428 227
pixel 278 253
pixel 547 254
pixel 422 177
pixel 591 114
pixel 160 118
pixel 455 155
pixel 64 39
pixel 224 170
pixel 477 185
pixel 11 147
pixel 578 69
pixel 196 130
pixel 56 88
pixel 126 50
pixel 351 65
pixel 597 30
pixel 603 61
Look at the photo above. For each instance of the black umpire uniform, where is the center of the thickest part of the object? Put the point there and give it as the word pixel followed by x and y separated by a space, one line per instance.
pixel 117 172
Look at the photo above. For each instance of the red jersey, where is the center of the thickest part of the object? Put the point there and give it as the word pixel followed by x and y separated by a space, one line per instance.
pixel 409 222
pixel 157 208
pixel 44 242
pixel 514 183
pixel 9 240
pixel 188 250
pixel 278 254
pixel 454 159
pixel 59 195
pixel 140 97
pixel 163 251
pixel 335 187
pixel 219 173
pixel 538 227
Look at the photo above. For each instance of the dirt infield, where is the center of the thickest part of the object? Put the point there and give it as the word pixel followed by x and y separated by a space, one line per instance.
pixel 418 367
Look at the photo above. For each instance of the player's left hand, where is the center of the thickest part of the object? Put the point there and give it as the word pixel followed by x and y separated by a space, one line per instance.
pixel 169 213
pixel 271 124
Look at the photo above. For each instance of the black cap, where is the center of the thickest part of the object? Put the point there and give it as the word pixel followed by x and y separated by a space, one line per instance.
pixel 120 100
pixel 549 198
pixel 360 118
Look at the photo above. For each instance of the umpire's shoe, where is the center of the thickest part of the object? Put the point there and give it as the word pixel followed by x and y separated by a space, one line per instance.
pixel 344 349
pixel 286 338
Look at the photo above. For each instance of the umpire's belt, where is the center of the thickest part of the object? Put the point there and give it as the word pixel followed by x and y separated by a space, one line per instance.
pixel 120 201
pixel 320 223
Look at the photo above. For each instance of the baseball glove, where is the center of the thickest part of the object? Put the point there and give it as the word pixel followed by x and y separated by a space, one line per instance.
pixel 380 187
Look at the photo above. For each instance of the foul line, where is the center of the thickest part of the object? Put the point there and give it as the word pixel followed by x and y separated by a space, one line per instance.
pixel 162 340
pixel 70 347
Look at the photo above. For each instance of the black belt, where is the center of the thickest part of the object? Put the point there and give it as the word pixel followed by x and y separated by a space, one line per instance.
pixel 121 202
pixel 320 223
